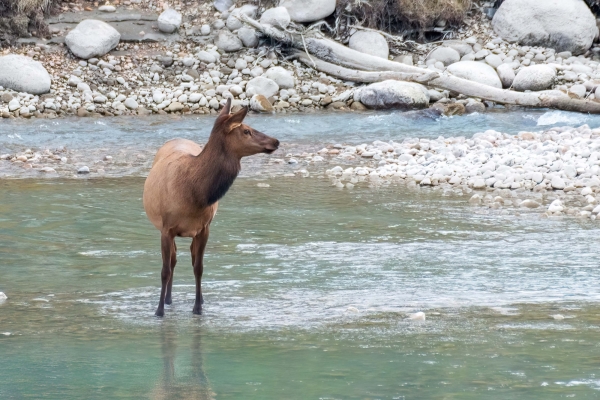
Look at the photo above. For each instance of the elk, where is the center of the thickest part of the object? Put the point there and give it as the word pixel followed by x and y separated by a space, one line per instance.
pixel 184 185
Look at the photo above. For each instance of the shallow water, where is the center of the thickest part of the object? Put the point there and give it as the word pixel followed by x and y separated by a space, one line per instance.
pixel 307 290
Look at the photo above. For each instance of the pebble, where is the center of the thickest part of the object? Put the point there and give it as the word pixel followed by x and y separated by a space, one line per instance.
pixel 84 170
pixel 558 317
pixel 418 316
pixel 263 185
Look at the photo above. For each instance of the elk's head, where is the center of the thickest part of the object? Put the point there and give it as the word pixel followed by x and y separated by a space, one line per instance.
pixel 239 138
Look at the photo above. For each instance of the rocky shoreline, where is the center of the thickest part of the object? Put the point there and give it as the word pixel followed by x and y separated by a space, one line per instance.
pixel 192 67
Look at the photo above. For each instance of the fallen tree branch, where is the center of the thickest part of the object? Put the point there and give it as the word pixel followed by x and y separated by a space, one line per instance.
pixel 335 59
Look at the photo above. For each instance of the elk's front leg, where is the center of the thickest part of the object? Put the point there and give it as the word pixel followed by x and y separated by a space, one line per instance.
pixel 198 246
pixel 167 245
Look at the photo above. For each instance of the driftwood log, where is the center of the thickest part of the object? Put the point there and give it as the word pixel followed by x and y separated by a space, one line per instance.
pixel 337 60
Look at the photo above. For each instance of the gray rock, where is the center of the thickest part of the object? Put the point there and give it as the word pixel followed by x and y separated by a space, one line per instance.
pixel 477 72
pixel 206 57
pixel 372 43
pixel 107 8
pixel 84 170
pixel 282 77
pixel 578 90
pixel 228 41
pixel 506 74
pixel 474 107
pixel 463 48
pixel 234 22
pixel 131 103
pixel 222 5
pixel 558 183
pixel 261 85
pixel 536 77
pixel 405 59
pixel 445 55
pixel 309 10
pixel 23 74
pixel 205 30
pixel 169 21
pixel 278 17
pixel 92 38
pixel 493 60
pixel 248 37
pixel 564 25
pixel 393 94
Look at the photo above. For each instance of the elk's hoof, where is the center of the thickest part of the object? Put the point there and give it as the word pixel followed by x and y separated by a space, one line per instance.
pixel 160 313
pixel 168 301
pixel 197 310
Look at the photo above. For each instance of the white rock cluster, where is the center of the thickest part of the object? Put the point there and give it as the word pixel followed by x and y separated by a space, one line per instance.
pixel 564 160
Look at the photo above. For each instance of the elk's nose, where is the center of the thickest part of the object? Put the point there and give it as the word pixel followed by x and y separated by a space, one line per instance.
pixel 276 143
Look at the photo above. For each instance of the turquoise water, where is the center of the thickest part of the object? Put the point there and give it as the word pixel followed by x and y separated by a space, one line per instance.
pixel 308 294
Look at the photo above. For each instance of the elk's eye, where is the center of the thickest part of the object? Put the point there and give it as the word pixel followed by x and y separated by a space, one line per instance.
pixel 246 132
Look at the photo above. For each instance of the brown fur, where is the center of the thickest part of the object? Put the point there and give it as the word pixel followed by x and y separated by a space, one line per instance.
pixel 185 183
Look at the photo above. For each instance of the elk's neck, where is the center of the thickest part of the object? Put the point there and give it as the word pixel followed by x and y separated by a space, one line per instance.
pixel 215 170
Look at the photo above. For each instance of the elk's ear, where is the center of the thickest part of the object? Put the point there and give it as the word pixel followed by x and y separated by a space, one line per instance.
pixel 226 109
pixel 238 117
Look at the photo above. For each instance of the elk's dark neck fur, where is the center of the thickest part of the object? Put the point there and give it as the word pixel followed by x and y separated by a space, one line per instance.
pixel 215 170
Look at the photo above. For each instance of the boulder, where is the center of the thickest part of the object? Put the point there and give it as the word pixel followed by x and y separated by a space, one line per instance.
pixel 278 17
pixel 23 74
pixel 92 38
pixel 476 72
pixel 206 57
pixel 248 37
pixel 309 10
pixel 259 103
pixel 261 85
pixel 228 41
pixel 446 55
pixel 169 21
pixel 564 25
pixel 536 77
pixel 372 43
pixel 393 94
pixel 506 74
pixel 281 76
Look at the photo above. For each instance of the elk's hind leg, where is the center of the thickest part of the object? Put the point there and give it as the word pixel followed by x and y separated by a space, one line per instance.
pixel 168 299
pixel 167 244
pixel 198 246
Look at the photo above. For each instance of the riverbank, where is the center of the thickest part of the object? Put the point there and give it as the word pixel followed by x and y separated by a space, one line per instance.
pixel 196 68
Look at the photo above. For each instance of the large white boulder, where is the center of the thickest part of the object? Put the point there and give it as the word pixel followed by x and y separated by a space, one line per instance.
pixel 261 85
pixel 169 21
pixel 281 76
pixel 228 41
pixel 393 94
pixel 476 72
pixel 536 77
pixel 372 43
pixel 564 25
pixel 23 74
pixel 309 10
pixel 446 55
pixel 92 38
pixel 278 17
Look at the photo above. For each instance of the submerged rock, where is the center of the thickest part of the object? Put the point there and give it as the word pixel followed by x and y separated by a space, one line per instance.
pixel 2 297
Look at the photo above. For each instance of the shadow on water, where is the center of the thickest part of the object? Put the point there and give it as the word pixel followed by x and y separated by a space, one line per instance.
pixel 187 378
